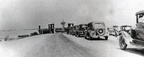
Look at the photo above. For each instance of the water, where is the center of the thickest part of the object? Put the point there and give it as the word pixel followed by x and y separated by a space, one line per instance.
pixel 15 33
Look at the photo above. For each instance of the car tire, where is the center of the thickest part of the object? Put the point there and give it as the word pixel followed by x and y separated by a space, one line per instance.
pixel 88 37
pixel 122 43
pixel 77 35
pixel 106 37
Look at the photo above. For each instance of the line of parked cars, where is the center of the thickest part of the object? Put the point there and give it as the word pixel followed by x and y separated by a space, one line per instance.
pixel 89 31
pixel 128 35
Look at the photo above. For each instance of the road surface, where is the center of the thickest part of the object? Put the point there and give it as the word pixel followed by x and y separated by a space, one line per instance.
pixel 107 48
pixel 63 45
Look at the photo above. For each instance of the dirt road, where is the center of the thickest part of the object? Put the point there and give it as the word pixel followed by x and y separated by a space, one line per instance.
pixel 63 45
pixel 55 45
pixel 107 48
pixel 58 46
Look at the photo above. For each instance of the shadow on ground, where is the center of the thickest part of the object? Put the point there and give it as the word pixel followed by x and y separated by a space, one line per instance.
pixel 136 51
pixel 97 39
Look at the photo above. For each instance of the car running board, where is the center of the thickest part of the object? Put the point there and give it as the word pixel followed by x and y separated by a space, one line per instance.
pixel 137 42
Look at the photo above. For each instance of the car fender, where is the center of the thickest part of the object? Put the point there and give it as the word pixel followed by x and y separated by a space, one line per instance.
pixel 126 37
pixel 106 32
pixel 91 33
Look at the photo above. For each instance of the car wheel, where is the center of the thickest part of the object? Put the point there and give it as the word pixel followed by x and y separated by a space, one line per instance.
pixel 87 37
pixel 116 35
pixel 122 43
pixel 77 35
pixel 67 33
pixel 106 37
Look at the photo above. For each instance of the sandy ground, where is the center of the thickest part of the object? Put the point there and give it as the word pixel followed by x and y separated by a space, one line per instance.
pixel 107 48
pixel 15 33
pixel 19 48
pixel 43 46
pixel 63 45
pixel 58 46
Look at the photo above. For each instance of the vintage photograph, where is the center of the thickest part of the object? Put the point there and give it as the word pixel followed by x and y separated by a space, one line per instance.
pixel 71 28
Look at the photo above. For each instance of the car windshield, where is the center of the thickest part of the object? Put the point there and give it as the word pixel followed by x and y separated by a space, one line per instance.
pixel 141 18
pixel 127 28
pixel 96 25
pixel 111 29
pixel 83 27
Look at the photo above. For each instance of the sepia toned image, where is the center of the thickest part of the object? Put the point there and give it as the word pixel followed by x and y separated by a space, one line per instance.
pixel 71 28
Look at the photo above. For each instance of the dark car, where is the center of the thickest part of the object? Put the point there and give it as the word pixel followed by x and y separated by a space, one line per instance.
pixel 70 28
pixel 58 30
pixel 80 31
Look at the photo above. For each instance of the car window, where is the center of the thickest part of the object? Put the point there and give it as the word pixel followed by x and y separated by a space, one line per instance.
pixel 96 25
pixel 128 28
pixel 84 26
pixel 141 18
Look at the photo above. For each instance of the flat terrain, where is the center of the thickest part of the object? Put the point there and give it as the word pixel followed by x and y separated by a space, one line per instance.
pixel 63 45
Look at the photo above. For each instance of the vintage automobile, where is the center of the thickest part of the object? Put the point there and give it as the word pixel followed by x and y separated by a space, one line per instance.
pixel 80 31
pixel 59 30
pixel 73 30
pixel 70 28
pixel 96 30
pixel 113 32
pixel 135 37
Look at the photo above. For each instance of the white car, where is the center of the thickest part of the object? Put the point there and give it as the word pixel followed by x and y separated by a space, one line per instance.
pixel 131 36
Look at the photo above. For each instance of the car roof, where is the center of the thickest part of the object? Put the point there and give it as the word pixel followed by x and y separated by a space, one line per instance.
pixel 125 26
pixel 140 12
pixel 96 22
pixel 83 24
pixel 70 23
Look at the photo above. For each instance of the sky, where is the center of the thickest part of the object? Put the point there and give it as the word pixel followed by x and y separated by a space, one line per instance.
pixel 29 14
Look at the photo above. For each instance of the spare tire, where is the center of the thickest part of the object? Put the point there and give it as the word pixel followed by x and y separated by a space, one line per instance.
pixel 100 31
